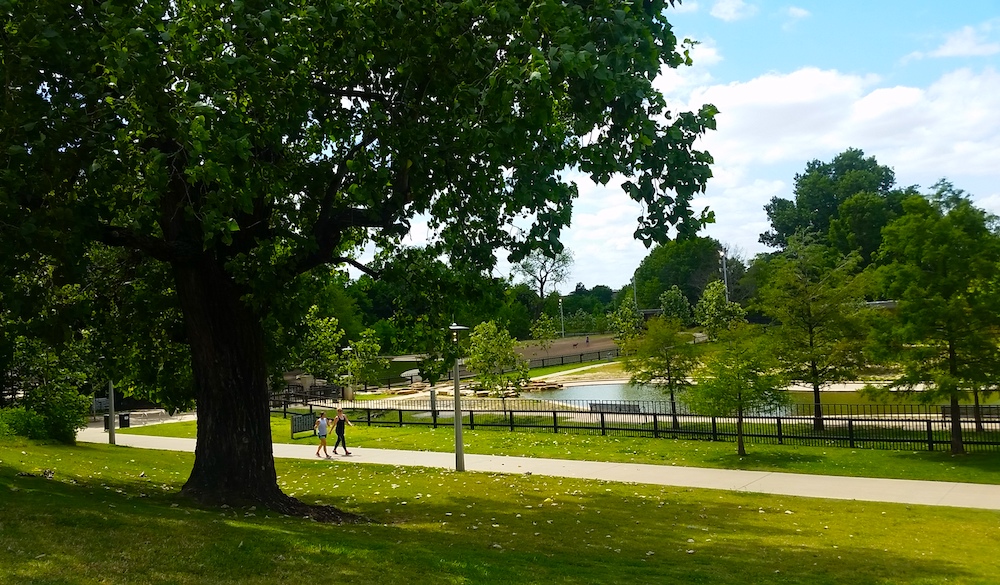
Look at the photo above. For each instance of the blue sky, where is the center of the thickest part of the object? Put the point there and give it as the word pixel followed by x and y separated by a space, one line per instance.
pixel 915 83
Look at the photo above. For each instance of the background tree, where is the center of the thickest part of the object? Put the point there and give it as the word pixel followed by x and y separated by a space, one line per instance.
pixel 714 313
pixel 626 323
pixel 814 297
pixel 940 266
pixel 739 379
pixel 690 264
pixel 364 362
pixel 243 147
pixel 494 358
pixel 541 271
pixel 820 191
pixel 543 331
pixel 675 305
pixel 664 357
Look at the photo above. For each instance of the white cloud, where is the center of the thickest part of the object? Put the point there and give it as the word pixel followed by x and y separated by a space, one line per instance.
pixel 798 13
pixel 967 42
pixel 772 125
pixel 730 10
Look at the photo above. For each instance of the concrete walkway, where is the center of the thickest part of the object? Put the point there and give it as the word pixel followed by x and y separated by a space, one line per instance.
pixel 930 493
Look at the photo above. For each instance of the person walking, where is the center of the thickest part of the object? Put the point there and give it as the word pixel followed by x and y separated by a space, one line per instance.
pixel 322 428
pixel 342 422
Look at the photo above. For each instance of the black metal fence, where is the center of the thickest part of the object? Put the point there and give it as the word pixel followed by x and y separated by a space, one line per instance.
pixel 909 427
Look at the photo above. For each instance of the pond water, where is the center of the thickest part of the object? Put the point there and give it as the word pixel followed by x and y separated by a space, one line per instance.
pixel 601 392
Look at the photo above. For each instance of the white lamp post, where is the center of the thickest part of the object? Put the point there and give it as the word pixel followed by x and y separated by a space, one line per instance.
pixel 562 320
pixel 348 391
pixel 459 448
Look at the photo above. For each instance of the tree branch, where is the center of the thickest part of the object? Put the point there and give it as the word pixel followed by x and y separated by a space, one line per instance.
pixel 362 267
pixel 155 247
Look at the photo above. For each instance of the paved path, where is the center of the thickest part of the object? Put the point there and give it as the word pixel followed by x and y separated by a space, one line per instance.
pixel 930 493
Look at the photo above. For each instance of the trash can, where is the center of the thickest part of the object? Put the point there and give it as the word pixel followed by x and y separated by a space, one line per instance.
pixel 123 420
pixel 107 421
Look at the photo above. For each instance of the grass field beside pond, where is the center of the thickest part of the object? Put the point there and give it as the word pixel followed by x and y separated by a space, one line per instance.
pixel 974 467
pixel 113 515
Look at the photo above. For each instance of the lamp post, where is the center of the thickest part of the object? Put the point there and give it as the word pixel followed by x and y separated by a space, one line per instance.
pixel 459 448
pixel 348 392
pixel 562 320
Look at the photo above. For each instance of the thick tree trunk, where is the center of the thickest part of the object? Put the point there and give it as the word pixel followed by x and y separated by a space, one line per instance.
pixel 234 460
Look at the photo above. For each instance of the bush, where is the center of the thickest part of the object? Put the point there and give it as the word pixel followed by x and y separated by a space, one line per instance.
pixel 62 409
pixel 23 422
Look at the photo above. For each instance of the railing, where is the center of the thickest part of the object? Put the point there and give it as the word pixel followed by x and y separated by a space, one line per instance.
pixel 910 427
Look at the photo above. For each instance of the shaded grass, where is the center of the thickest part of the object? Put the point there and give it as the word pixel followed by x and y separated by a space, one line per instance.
pixel 825 460
pixel 114 515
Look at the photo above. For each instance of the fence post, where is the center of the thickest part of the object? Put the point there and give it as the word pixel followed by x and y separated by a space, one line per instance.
pixel 512 421
pixel 930 436
pixel 472 421
pixel 715 430
pixel 369 417
pixel 850 432
pixel 780 438
pixel 555 422
pixel 656 429
pixel 603 431
pixel 400 417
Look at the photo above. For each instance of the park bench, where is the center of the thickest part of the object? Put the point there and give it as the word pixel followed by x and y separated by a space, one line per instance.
pixel 969 411
pixel 616 407
pixel 303 422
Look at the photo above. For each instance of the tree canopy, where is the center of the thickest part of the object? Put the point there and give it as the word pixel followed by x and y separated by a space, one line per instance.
pixel 940 265
pixel 819 193
pixel 244 146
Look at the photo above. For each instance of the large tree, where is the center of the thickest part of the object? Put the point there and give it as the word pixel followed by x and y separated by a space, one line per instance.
pixel 820 191
pixel 689 264
pixel 244 144
pixel 814 296
pixel 940 265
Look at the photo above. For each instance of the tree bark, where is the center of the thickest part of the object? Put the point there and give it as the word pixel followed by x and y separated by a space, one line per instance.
pixel 818 424
pixel 234 459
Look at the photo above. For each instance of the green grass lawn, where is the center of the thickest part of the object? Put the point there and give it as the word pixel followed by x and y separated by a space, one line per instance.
pixel 974 467
pixel 607 367
pixel 113 515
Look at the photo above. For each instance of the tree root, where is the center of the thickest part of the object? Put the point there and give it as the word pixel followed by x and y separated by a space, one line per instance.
pixel 276 501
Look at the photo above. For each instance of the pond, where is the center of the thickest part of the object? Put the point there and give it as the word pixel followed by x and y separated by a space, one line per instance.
pixel 611 391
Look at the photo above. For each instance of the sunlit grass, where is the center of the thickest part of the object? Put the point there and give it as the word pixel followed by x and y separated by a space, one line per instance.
pixel 974 467
pixel 114 515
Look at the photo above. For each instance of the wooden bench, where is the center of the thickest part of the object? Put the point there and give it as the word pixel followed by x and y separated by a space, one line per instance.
pixel 616 407
pixel 968 411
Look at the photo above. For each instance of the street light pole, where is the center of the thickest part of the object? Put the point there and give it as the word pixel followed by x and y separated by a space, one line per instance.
pixel 562 319
pixel 459 447
pixel 111 412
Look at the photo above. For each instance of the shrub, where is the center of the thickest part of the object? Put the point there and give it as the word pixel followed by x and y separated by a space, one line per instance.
pixel 23 422
pixel 62 409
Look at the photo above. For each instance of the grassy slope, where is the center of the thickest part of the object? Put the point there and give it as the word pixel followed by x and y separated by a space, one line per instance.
pixel 113 515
